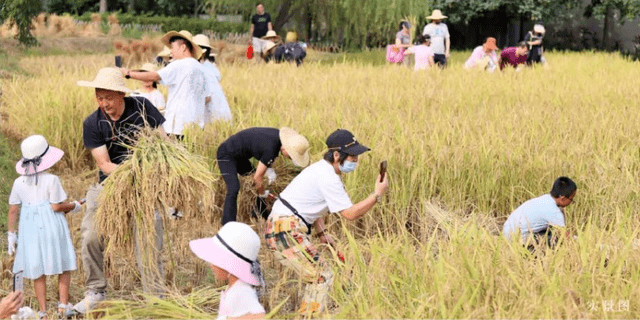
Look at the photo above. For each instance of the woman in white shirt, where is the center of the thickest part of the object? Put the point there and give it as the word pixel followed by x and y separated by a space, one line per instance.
pixel 315 192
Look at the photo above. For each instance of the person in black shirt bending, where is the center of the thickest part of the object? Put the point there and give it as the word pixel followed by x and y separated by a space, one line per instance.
pixel 264 144
pixel 260 25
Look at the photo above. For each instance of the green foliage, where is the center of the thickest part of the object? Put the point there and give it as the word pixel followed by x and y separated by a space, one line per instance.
pixel 21 12
pixel 194 25
pixel 8 158
pixel 629 9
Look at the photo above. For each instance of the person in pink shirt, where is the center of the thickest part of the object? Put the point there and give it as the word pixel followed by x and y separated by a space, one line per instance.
pixel 424 55
pixel 514 56
pixel 484 57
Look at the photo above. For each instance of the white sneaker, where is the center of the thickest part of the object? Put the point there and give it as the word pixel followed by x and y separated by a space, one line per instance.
pixel 90 301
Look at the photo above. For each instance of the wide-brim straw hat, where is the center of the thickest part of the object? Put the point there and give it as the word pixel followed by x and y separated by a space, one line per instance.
pixel 296 146
pixel 234 249
pixel 538 28
pixel 165 53
pixel 107 79
pixel 147 67
pixel 197 51
pixel 272 36
pixel 268 46
pixel 37 155
pixel 202 40
pixel 436 15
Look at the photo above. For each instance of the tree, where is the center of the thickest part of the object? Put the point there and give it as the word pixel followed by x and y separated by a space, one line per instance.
pixel 21 12
pixel 605 9
pixel 103 6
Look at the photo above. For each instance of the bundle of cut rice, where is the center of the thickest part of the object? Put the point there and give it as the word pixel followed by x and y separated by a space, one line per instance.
pixel 158 175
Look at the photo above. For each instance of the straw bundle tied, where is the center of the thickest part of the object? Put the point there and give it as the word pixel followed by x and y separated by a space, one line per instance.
pixel 159 174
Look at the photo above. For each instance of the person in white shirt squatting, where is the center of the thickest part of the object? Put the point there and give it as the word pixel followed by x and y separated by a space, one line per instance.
pixel 304 203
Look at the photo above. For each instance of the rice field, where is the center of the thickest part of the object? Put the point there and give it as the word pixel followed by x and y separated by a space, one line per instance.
pixel 464 149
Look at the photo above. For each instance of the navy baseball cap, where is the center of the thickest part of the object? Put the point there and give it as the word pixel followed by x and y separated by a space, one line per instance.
pixel 344 141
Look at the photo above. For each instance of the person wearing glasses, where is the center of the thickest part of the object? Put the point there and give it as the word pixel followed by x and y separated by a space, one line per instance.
pixel 304 204
pixel 536 219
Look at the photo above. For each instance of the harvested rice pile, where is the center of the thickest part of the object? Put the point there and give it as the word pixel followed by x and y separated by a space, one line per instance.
pixel 160 174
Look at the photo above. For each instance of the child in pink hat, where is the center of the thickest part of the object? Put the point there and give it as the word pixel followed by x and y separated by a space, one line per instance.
pixel 44 246
pixel 232 255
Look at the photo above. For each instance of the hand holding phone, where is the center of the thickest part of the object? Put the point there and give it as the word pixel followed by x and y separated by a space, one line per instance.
pixel 383 170
pixel 18 284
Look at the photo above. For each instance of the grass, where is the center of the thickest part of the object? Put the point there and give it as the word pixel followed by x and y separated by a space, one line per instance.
pixel 9 155
pixel 464 150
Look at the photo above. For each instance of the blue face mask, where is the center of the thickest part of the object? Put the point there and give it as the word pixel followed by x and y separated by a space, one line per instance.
pixel 348 166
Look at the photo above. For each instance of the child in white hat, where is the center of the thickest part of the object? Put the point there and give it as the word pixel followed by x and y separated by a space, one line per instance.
pixel 149 89
pixel 43 241
pixel 232 255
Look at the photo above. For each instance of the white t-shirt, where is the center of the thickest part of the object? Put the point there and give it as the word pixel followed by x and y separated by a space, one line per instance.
pixel 188 88
pixel 218 107
pixel 25 190
pixel 438 33
pixel 317 190
pixel 533 216
pixel 238 300
pixel 422 54
pixel 155 97
pixel 214 68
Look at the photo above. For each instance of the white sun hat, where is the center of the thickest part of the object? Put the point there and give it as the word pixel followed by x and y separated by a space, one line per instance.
pixel 37 155
pixel 436 15
pixel 234 249
pixel 107 79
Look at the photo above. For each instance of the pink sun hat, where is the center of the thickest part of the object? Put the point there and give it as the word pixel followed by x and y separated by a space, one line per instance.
pixel 234 249
pixel 37 155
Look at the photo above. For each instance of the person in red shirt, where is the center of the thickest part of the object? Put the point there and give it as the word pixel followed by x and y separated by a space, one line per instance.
pixel 514 56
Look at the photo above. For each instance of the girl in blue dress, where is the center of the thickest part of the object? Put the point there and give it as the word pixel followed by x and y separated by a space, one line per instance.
pixel 43 244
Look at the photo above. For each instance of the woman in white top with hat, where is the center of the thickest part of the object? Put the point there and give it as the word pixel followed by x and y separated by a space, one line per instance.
pixel 44 246
pixel 315 192
pixel 232 255
pixel 218 107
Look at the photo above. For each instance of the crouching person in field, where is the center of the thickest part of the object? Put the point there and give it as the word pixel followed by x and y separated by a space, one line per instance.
pixel 105 133
pixel 232 255
pixel 316 191
pixel 537 220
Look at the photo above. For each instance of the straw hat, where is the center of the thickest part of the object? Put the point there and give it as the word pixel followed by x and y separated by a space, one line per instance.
pixel 37 155
pixel 234 249
pixel 165 53
pixel 538 28
pixel 292 36
pixel 296 146
pixel 436 15
pixel 107 79
pixel 268 46
pixel 197 51
pixel 202 40
pixel 148 67
pixel 272 36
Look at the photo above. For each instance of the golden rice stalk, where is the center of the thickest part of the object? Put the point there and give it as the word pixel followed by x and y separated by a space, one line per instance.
pixel 159 174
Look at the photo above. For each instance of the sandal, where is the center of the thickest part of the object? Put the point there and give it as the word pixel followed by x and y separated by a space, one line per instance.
pixel 63 309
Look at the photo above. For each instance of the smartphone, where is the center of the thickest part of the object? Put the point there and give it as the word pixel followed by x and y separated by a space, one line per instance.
pixel 119 61
pixel 83 201
pixel 383 170
pixel 18 284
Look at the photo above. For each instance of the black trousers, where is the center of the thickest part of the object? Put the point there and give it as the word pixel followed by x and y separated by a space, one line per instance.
pixel 440 59
pixel 230 168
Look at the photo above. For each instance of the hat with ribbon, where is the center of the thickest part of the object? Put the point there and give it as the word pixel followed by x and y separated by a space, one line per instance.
pixel 37 155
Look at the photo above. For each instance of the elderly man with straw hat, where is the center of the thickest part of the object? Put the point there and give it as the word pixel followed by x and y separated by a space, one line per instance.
pixel 263 144
pixel 189 90
pixel 218 107
pixel 440 41
pixel 105 133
